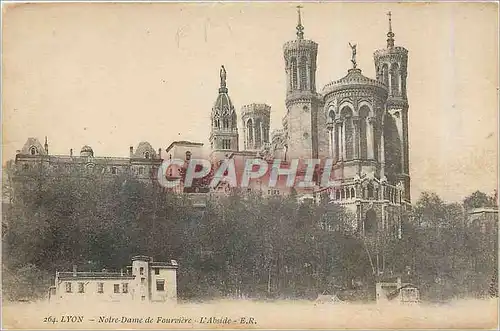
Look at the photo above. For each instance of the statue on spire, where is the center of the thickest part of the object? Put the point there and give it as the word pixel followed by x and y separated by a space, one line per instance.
pixel 300 28
pixel 353 56
pixel 222 76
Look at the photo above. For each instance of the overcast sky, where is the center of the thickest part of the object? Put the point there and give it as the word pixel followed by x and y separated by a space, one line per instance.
pixel 112 75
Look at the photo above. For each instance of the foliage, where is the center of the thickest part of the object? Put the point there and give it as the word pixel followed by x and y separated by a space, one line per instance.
pixel 237 245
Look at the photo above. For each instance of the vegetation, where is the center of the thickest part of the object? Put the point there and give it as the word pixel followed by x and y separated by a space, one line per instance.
pixel 237 245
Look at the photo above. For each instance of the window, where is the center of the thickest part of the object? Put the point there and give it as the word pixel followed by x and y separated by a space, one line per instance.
pixel 250 131
pixel 116 288
pixel 81 287
pixel 125 287
pixel 143 298
pixel 33 150
pixel 143 281
pixel 225 123
pixel 303 73
pixel 293 69
pixel 160 285
pixel 226 144
pixel 141 270
pixel 26 166
pixel 68 287
pixel 114 171
pixel 100 287
pixel 188 155
pixel 157 271
pixel 141 170
pixel 146 155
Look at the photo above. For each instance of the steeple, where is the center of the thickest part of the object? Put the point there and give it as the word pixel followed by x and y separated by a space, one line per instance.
pixel 224 133
pixel 300 28
pixel 390 34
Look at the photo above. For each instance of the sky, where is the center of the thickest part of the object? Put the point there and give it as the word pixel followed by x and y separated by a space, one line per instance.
pixel 111 75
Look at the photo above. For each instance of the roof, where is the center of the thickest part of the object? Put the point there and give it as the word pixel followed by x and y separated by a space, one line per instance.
pixel 93 275
pixel 183 143
pixel 353 79
pixel 142 148
pixel 483 210
pixel 33 142
pixel 223 102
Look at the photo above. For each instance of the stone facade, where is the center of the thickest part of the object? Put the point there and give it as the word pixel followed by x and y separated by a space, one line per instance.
pixel 34 161
pixel 360 123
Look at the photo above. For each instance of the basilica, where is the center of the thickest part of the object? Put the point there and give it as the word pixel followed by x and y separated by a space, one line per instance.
pixel 360 123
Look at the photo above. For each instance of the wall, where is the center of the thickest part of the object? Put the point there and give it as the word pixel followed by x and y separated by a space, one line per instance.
pixel 91 290
pixel 169 275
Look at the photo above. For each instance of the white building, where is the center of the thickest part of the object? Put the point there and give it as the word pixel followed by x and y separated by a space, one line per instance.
pixel 144 280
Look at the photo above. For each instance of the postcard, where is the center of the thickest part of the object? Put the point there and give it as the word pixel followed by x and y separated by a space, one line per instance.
pixel 249 165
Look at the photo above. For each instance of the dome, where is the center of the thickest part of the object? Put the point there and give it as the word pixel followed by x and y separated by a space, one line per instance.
pixel 223 104
pixel 354 80
pixel 86 151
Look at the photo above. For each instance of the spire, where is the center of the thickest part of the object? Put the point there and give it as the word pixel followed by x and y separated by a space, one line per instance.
pixel 390 34
pixel 223 74
pixel 300 28
pixel 46 145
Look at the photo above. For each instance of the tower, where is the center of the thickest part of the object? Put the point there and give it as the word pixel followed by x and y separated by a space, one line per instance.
pixel 302 101
pixel 391 67
pixel 224 129
pixel 256 121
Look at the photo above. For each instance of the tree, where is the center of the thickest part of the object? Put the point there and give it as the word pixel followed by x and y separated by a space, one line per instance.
pixel 479 199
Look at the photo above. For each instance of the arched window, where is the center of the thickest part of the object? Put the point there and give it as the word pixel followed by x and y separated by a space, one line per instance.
pixel 303 73
pixel 348 194
pixel 348 147
pixel 385 74
pixel 258 135
pixel 342 196
pixel 225 123
pixel 337 194
pixel 370 191
pixel 293 73
pixel 146 155
pixel 33 150
pixel 188 155
pixel 364 112
pixel 395 79
pixel 353 193
pixel 331 114
pixel 250 131
pixel 217 123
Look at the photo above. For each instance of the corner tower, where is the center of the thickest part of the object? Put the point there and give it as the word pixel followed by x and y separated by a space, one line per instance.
pixel 256 120
pixel 224 128
pixel 302 101
pixel 391 67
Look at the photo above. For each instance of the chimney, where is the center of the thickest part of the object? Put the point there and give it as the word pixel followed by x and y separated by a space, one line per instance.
pixel 131 151
pixel 74 270
pixel 71 152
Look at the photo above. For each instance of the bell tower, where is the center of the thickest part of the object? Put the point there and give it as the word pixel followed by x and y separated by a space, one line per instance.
pixel 391 67
pixel 224 128
pixel 302 101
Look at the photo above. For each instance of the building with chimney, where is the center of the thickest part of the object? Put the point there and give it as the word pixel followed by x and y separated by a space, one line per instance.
pixel 144 280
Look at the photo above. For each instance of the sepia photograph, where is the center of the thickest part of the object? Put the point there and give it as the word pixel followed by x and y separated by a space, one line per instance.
pixel 250 165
